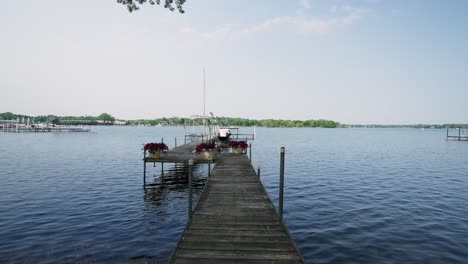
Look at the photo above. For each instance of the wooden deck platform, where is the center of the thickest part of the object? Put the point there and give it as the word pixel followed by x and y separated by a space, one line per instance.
pixel 235 221
pixel 180 154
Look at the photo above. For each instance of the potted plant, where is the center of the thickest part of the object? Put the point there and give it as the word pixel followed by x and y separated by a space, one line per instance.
pixel 155 149
pixel 238 147
pixel 207 150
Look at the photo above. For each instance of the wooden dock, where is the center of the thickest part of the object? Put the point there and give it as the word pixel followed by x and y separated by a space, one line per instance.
pixel 180 154
pixel 235 221
pixel 43 129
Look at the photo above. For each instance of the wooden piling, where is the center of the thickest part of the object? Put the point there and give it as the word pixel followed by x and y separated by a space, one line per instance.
pixel 281 187
pixel 190 186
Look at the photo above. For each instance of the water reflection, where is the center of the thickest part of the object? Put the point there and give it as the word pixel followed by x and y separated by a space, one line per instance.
pixel 173 180
pixel 165 206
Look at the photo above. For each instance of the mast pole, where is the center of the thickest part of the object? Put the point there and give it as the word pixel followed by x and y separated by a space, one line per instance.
pixel 204 89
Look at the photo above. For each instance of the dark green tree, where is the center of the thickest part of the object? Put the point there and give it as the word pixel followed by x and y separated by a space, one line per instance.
pixel 7 116
pixel 106 117
pixel 133 5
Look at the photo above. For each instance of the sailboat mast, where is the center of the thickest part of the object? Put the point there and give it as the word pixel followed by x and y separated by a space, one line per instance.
pixel 204 84
pixel 204 89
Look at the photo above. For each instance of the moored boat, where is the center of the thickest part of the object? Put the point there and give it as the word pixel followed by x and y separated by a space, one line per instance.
pixel 224 134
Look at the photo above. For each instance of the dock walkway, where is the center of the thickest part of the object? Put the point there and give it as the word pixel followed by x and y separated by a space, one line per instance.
pixel 235 221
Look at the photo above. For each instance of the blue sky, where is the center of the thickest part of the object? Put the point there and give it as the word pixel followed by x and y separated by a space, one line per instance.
pixel 362 61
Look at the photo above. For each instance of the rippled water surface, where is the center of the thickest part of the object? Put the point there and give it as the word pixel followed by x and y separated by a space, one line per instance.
pixel 352 195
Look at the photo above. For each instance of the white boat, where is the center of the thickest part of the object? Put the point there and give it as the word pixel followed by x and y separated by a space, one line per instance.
pixel 224 134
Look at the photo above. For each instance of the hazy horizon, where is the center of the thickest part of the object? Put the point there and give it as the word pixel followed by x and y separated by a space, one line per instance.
pixel 172 116
pixel 355 62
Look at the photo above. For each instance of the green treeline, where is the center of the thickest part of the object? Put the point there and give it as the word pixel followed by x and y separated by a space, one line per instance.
pixel 177 121
pixel 412 126
pixel 54 118
pixel 216 120
pixel 234 121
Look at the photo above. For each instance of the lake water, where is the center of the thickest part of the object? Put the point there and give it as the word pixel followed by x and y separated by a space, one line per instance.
pixel 351 195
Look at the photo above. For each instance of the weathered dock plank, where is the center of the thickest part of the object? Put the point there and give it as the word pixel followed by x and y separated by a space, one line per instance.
pixel 235 221
pixel 237 256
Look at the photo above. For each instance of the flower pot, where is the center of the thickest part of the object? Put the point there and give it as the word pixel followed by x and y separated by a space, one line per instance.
pixel 237 150
pixel 208 154
pixel 155 154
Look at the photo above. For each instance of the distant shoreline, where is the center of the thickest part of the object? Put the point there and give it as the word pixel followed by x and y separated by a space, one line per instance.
pixel 107 119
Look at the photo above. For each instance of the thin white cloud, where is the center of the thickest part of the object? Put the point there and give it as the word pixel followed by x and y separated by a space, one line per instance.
pixel 337 16
pixel 308 25
pixel 219 33
pixel 267 24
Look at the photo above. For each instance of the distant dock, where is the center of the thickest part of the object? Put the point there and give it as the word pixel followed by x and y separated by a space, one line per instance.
pixel 460 135
pixel 40 129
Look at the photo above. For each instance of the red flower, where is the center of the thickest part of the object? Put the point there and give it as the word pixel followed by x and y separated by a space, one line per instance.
pixel 242 144
pixel 205 146
pixel 153 147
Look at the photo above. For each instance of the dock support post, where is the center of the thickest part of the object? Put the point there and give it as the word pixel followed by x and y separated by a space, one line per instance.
pixel 162 169
pixel 209 168
pixel 281 187
pixel 144 167
pixel 250 152
pixel 190 163
pixel 258 172
pixel 459 134
pixel 175 142
pixel 144 172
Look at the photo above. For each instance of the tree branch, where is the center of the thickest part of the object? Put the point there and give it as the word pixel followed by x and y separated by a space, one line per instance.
pixel 133 5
